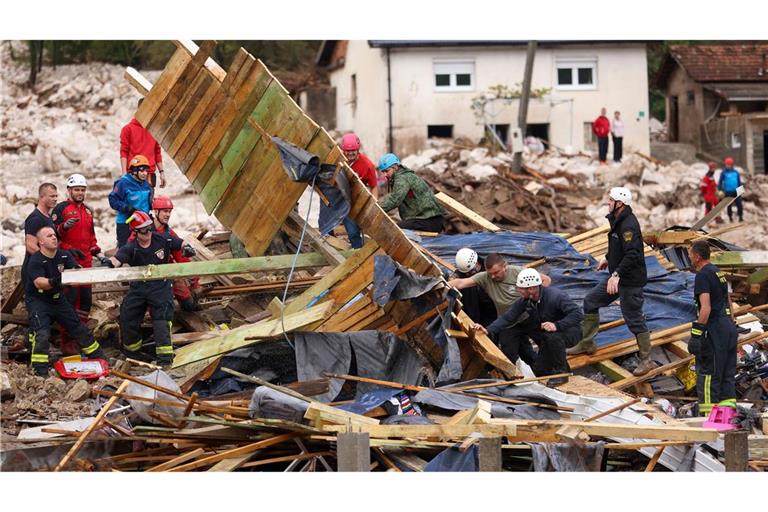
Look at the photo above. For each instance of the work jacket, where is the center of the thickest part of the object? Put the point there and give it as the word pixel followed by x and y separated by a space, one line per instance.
pixel 625 249
pixel 411 195
pixel 81 235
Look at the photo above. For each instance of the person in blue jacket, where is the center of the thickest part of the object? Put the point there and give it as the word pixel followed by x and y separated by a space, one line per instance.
pixel 130 193
pixel 729 181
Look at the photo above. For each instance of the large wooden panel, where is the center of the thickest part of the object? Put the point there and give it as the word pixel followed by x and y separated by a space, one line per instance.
pixel 162 87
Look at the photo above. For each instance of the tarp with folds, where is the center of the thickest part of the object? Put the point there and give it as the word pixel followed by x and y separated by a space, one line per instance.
pixel 668 295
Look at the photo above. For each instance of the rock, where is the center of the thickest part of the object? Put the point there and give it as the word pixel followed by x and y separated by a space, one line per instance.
pixel 560 180
pixel 479 171
pixel 79 392
pixel 416 162
pixel 477 154
pixel 438 167
pixel 6 391
pixel 533 187
pixel 15 193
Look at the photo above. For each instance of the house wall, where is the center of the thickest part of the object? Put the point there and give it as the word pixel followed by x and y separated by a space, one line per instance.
pixel 621 84
pixel 756 151
pixel 690 115
pixel 717 139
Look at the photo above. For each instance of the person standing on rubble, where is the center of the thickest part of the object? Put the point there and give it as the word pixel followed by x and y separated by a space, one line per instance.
pixel 364 168
pixel 713 334
pixel 129 194
pixel 728 184
pixel 47 196
pixel 499 281
pixel 415 201
pixel 46 304
pixel 475 301
pixel 136 140
pixel 625 262
pixel 74 225
pixel 617 135
pixel 547 316
pixel 601 127
pixel 148 248
pixel 708 188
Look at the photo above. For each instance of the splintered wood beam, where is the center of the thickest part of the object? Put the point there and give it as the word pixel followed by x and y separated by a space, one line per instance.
pixel 191 48
pixel 238 338
pixel 740 259
pixel 194 269
pixel 485 348
pixel 138 81
pixel 466 213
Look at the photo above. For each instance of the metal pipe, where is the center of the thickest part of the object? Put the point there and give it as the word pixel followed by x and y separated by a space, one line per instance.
pixel 390 147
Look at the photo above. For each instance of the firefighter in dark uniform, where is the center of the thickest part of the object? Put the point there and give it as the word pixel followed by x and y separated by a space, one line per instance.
pixel 149 248
pixel 625 262
pixel 547 316
pixel 713 334
pixel 45 302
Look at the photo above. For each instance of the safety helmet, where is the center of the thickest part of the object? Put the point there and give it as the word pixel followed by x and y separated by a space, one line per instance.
pixel 528 278
pixel 621 194
pixel 388 161
pixel 350 142
pixel 138 161
pixel 712 165
pixel 162 203
pixel 139 220
pixel 76 180
pixel 728 162
pixel 466 259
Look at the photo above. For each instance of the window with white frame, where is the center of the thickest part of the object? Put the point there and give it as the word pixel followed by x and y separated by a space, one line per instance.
pixel 577 74
pixel 454 75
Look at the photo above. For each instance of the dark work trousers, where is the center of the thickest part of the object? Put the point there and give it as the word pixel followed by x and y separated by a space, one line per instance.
pixel 550 358
pixel 631 300
pixel 602 148
pixel 716 364
pixel 739 207
pixel 158 297
pixel 353 233
pixel 81 298
pixel 432 224
pixel 618 143
pixel 123 233
pixel 477 305
pixel 42 314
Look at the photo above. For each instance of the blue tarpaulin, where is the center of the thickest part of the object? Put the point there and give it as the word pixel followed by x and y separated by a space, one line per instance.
pixel 668 295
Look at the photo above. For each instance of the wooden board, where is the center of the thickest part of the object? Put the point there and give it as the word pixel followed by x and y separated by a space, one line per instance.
pixel 466 213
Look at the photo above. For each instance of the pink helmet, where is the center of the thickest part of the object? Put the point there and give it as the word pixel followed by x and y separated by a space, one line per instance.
pixel 350 142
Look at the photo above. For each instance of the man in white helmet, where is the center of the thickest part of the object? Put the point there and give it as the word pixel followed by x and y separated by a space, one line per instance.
pixel 626 277
pixel 73 220
pixel 476 303
pixel 545 315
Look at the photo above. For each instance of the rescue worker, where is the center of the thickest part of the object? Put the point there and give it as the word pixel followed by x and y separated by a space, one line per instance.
pixel 727 185
pixel 45 302
pixel 547 316
pixel 364 168
pixel 475 301
pixel 149 248
pixel 713 334
pixel 414 200
pixel 136 140
pixel 74 225
pixel 625 262
pixel 499 282
pixel 47 196
pixel 131 193
pixel 708 188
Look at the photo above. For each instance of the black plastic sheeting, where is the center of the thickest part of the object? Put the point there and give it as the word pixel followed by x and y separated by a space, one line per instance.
pixel 457 402
pixel 452 459
pixel 668 295
pixel 392 281
pixel 567 456
pixel 451 369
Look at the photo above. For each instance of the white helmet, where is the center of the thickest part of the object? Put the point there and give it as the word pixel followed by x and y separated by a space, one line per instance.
pixel 76 180
pixel 466 259
pixel 621 194
pixel 528 278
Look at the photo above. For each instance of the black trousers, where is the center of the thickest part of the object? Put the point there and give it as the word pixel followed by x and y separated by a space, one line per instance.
pixel 158 297
pixel 550 358
pixel 618 143
pixel 123 233
pixel 739 206
pixel 41 314
pixel 631 300
pixel 432 224
pixel 716 364
pixel 602 148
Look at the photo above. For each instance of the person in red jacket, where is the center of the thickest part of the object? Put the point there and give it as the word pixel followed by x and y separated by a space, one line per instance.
pixel 601 127
pixel 136 140
pixel 708 188
pixel 364 168
pixel 73 220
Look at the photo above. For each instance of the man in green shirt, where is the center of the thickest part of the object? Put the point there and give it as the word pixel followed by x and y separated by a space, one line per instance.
pixel 418 208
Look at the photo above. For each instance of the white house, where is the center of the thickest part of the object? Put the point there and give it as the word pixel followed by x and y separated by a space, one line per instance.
pixel 396 94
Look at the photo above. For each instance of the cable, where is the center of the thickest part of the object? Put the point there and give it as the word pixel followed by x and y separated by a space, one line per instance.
pixel 293 263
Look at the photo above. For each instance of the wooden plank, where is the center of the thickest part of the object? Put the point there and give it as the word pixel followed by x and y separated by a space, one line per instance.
pixel 296 223
pixel 178 117
pixel 326 413
pixel 205 254
pixel 137 80
pixel 236 452
pixel 237 338
pixel 466 213
pixel 740 259
pixel 625 383
pixel 192 49
pixel 485 348
pixel 191 118
pixel 181 459
pixel 613 371
pixel 152 101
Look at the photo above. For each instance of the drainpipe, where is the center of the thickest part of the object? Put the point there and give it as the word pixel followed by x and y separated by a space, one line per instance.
pixel 390 147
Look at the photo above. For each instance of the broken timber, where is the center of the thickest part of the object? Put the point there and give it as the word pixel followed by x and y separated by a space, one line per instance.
pixel 464 212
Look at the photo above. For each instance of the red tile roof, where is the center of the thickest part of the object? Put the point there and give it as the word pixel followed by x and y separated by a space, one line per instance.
pixel 723 62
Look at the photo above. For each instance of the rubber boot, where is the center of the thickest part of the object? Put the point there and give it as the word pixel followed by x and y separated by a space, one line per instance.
pixel 644 352
pixel 589 328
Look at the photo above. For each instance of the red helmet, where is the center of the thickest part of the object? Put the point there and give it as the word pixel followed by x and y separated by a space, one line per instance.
pixel 350 142
pixel 139 220
pixel 712 165
pixel 138 161
pixel 162 203
pixel 728 162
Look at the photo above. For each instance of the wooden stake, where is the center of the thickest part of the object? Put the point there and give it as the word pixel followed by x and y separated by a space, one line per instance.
pixel 654 459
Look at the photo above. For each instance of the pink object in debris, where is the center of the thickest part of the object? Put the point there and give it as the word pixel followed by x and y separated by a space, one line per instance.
pixel 720 418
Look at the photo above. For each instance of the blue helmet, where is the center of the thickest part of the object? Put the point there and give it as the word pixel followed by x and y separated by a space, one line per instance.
pixel 388 161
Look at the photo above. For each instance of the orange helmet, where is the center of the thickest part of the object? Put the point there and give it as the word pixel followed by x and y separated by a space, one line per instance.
pixel 139 220
pixel 728 162
pixel 162 203
pixel 138 161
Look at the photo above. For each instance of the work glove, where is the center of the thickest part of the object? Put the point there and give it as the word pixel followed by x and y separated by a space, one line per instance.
pixel 106 262
pixel 720 194
pixel 55 282
pixel 77 253
pixel 190 304
pixel 70 222
pixel 188 251
pixel 698 332
pixel 95 250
